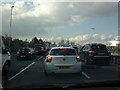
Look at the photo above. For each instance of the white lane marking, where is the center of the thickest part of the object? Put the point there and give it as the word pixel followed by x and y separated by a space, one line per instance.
pixel 86 75
pixel 21 71
pixel 40 58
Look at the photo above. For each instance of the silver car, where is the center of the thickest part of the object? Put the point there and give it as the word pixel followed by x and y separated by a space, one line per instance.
pixel 62 60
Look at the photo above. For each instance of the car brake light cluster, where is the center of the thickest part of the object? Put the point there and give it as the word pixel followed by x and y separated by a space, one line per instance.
pixel 78 58
pixel 109 51
pixel 18 52
pixel 49 59
pixel 29 52
pixel 91 52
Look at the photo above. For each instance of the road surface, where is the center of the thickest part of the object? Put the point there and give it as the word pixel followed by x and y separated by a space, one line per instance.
pixel 30 74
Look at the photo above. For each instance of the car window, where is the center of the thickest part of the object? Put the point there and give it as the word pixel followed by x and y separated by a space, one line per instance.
pixel 99 47
pixel 85 48
pixel 63 52
pixel 24 50
pixel 39 48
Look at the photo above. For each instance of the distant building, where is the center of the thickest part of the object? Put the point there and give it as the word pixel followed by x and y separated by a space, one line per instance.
pixel 61 43
pixel 72 43
pixel 115 42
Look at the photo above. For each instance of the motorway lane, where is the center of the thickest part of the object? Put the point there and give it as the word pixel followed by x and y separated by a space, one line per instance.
pixel 34 77
pixel 16 66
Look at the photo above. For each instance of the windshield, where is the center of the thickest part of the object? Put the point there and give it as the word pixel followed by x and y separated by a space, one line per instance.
pixel 63 52
pixel 24 50
pixel 60 43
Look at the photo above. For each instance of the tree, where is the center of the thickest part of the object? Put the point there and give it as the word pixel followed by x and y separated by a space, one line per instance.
pixel 33 42
pixel 6 40
pixel 17 44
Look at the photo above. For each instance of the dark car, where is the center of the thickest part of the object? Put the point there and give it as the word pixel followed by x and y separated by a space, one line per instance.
pixel 40 50
pixel 25 53
pixel 95 54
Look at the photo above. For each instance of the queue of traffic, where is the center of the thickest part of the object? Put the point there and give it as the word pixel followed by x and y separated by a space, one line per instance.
pixel 61 59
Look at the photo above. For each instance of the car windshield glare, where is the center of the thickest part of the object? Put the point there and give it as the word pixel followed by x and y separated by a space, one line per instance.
pixel 63 52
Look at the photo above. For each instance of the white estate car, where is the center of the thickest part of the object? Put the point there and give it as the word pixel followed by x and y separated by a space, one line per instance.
pixel 62 60
pixel 5 58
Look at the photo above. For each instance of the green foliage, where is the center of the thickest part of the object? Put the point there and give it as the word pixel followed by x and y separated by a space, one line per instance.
pixel 17 43
pixel 6 40
pixel 114 49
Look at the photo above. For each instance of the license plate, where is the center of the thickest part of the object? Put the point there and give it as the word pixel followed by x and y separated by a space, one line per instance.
pixel 23 56
pixel 101 53
pixel 63 67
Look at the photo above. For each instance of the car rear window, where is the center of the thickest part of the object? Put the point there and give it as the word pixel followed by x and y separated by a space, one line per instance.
pixel 24 50
pixel 99 47
pixel 39 48
pixel 63 52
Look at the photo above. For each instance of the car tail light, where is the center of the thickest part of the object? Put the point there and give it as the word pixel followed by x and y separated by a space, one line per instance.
pixel 48 59
pixel 78 58
pixel 91 52
pixel 18 52
pixel 109 51
pixel 29 52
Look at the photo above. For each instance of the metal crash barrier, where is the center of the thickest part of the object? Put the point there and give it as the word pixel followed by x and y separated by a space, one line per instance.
pixel 115 59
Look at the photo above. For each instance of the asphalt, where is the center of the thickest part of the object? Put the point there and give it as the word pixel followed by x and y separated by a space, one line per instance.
pixel 30 74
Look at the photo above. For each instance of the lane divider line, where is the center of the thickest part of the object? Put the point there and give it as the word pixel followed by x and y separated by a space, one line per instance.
pixel 88 77
pixel 21 71
pixel 40 58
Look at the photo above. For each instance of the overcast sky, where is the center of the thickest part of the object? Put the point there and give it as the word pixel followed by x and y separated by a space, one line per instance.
pixel 54 21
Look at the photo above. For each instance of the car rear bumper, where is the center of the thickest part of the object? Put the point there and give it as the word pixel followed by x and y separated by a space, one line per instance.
pixel 50 68
pixel 100 59
pixel 24 56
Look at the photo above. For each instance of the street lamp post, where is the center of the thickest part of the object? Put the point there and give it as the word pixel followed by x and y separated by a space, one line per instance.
pixel 91 34
pixel 10 27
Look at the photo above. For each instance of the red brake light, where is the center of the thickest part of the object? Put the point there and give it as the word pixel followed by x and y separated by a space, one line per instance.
pixel 109 51
pixel 48 59
pixel 23 48
pixel 29 52
pixel 91 52
pixel 18 52
pixel 78 58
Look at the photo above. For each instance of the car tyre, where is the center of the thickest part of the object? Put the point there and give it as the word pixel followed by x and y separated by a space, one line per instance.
pixel 30 57
pixel 45 73
pixel 86 61
pixel 6 68
pixel 107 63
pixel 18 58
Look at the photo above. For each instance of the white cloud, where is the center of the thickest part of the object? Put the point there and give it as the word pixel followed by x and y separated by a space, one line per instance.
pixel 64 0
pixel 83 39
pixel 36 18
